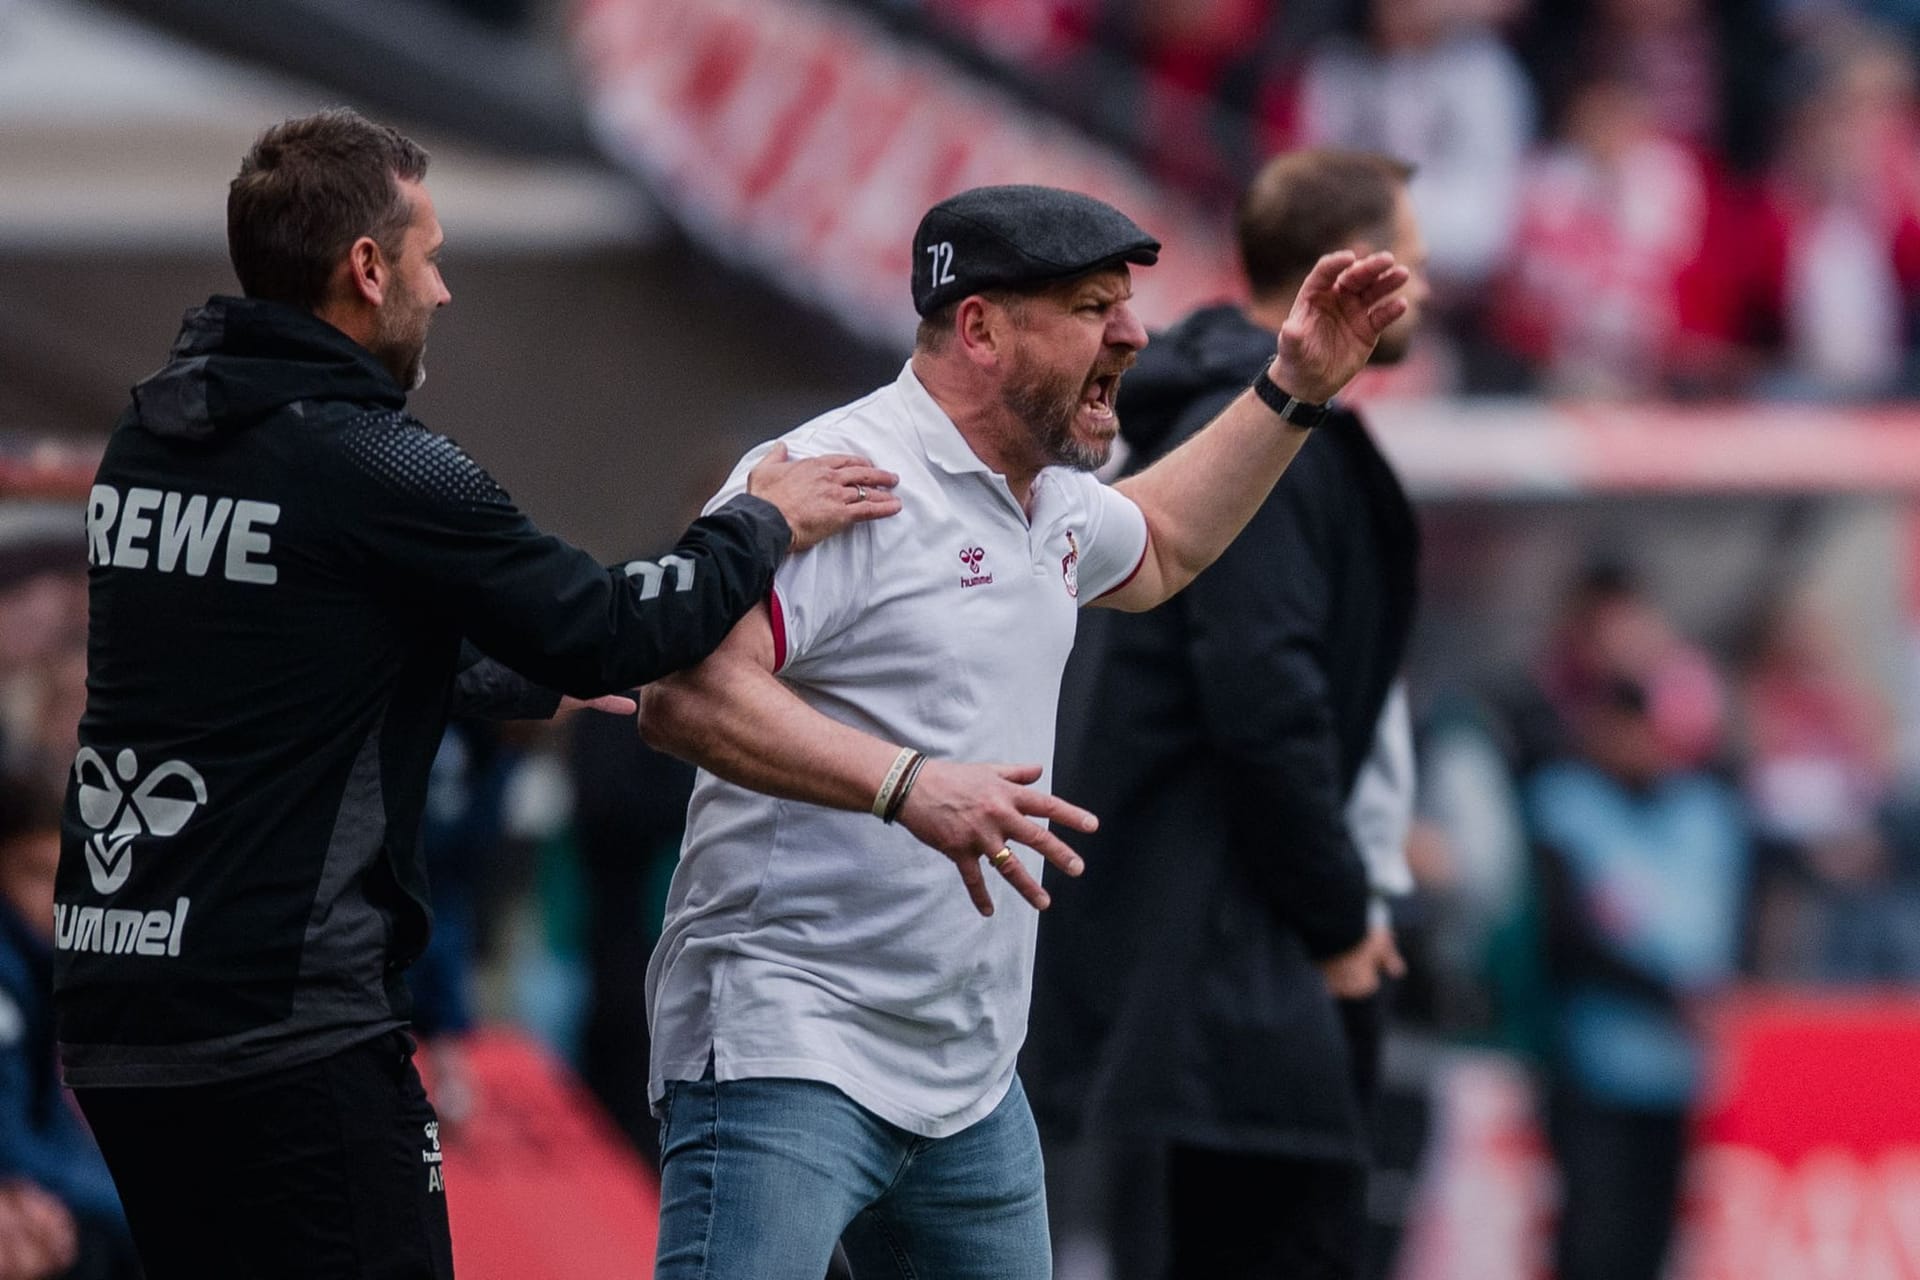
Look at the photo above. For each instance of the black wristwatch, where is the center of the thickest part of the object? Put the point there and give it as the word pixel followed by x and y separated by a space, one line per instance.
pixel 1297 412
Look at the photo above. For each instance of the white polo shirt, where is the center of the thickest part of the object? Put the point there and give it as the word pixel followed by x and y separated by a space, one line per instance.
pixel 824 945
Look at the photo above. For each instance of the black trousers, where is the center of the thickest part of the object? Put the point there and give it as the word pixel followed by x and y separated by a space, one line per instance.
pixel 1238 1216
pixel 1235 1215
pixel 1620 1187
pixel 326 1171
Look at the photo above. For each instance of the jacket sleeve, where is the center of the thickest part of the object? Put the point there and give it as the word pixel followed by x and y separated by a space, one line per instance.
pixel 488 690
pixel 1255 619
pixel 433 526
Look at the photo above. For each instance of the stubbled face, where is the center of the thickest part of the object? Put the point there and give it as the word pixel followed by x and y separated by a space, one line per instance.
pixel 1409 249
pixel 1073 344
pixel 414 292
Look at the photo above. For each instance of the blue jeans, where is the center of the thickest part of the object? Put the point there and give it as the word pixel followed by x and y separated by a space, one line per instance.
pixel 758 1179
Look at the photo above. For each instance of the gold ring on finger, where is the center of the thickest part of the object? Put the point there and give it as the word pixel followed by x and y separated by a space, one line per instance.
pixel 1003 857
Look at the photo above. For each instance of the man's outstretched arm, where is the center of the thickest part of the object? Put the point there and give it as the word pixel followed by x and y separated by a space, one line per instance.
pixel 436 531
pixel 1198 498
pixel 733 717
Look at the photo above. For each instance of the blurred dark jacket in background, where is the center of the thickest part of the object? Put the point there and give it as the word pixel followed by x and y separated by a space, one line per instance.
pixel 1219 737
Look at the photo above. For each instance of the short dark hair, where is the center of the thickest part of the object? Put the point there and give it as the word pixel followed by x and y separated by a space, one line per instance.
pixel 1305 204
pixel 937 325
pixel 307 190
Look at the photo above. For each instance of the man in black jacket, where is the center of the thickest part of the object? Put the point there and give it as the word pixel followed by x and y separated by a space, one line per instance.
pixel 1213 983
pixel 292 583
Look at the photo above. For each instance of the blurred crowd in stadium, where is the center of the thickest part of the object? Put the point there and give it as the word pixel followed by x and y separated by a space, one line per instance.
pixel 1622 197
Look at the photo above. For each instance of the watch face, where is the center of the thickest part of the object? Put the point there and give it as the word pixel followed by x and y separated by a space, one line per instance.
pixel 1293 411
pixel 1302 414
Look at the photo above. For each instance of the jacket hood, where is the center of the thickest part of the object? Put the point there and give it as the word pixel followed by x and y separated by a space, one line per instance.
pixel 1214 349
pixel 239 359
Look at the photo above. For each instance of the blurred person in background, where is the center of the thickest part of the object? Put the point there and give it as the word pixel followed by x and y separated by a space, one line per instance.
pixel 42 1140
pixel 1215 984
pixel 630 810
pixel 43 630
pixel 292 585
pixel 1620 283
pixel 1431 82
pixel 1472 873
pixel 1606 619
pixel 1203 66
pixel 1670 52
pixel 1642 859
pixel 1708 67
pixel 1836 243
pixel 461 824
pixel 1186 84
pixel 1673 54
pixel 1818 752
pixel 835 1021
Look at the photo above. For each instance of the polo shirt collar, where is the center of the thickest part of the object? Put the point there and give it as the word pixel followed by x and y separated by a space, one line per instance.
pixel 942 441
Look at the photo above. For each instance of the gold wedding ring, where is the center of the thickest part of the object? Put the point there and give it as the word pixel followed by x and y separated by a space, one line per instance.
pixel 1001 858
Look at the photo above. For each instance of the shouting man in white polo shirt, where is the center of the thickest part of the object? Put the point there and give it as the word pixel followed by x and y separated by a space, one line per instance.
pixel 834 1022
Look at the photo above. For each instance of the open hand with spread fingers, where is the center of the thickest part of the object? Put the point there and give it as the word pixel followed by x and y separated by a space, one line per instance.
pixel 981 813
pixel 1341 310
pixel 821 496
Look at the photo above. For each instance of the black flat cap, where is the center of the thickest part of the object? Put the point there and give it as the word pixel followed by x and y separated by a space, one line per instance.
pixel 998 237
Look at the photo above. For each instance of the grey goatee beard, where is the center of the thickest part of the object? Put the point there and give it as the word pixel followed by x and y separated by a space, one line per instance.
pixel 1048 406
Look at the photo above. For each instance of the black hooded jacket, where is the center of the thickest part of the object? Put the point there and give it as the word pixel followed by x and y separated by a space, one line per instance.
pixel 283 569
pixel 1219 738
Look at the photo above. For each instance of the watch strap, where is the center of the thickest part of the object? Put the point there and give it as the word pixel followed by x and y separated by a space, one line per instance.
pixel 1299 413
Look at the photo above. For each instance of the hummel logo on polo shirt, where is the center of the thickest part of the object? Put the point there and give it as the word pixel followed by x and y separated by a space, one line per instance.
pixel 970 559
